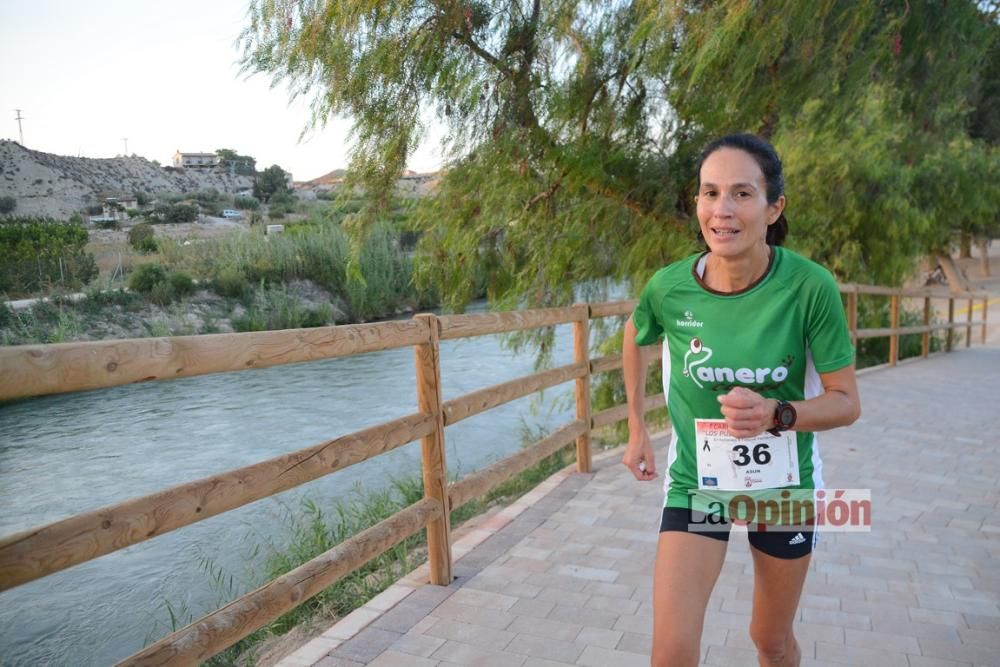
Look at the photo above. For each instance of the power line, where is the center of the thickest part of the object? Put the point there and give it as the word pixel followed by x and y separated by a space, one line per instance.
pixel 19 118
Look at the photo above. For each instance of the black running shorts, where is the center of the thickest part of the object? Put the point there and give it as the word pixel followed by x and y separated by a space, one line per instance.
pixel 783 542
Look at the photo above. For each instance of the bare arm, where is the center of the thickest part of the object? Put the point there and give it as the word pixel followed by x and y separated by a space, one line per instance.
pixel 748 413
pixel 639 449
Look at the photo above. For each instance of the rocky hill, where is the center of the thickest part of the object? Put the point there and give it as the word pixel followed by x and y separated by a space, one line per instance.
pixel 58 186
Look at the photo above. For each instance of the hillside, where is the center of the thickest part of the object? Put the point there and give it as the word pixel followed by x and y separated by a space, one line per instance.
pixel 59 186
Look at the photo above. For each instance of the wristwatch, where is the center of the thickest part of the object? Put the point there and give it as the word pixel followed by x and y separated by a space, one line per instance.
pixel 784 417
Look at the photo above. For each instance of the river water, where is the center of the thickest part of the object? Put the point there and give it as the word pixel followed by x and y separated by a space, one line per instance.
pixel 63 455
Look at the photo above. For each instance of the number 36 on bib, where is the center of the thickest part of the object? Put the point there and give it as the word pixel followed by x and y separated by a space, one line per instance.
pixel 727 463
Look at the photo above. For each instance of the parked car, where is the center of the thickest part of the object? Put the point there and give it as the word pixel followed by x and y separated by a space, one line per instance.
pixel 231 213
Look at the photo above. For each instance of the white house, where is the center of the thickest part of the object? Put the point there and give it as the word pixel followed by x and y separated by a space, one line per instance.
pixel 195 160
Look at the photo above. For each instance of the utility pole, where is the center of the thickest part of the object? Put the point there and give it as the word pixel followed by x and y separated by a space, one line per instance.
pixel 125 139
pixel 19 118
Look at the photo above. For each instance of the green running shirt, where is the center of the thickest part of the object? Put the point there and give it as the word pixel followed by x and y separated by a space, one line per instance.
pixel 774 338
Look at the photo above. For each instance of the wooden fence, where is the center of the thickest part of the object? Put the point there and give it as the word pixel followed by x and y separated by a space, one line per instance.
pixel 36 370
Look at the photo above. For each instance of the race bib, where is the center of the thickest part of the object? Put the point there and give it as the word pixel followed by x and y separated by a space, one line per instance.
pixel 727 463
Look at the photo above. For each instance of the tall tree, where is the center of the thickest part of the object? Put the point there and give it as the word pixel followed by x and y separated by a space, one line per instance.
pixel 271 183
pixel 573 127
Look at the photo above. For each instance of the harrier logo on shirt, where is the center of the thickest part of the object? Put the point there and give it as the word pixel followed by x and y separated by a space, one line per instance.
pixel 723 376
pixel 689 320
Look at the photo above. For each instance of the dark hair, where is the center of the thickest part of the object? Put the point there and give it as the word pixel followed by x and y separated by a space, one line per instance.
pixel 767 159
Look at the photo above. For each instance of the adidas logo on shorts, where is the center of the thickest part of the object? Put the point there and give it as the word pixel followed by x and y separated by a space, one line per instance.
pixel 798 539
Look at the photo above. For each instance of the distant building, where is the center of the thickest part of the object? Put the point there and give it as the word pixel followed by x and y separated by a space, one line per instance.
pixel 195 160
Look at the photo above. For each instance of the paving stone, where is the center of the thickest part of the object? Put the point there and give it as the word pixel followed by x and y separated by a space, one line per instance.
pixel 393 659
pixel 881 640
pixel 924 661
pixel 417 644
pixel 594 656
pixel 401 618
pixel 600 637
pixel 460 653
pixel 484 599
pixel 367 644
pixel 859 656
pixel 545 627
pixel 536 608
pixel 471 634
pixel 545 647
pixel 539 662
pixel 485 617
pixel 336 661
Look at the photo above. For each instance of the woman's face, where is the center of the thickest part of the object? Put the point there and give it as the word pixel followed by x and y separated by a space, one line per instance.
pixel 732 203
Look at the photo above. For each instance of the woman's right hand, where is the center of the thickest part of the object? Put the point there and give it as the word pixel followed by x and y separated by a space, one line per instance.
pixel 639 457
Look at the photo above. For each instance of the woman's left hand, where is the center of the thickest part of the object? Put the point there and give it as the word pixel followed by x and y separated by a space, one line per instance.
pixel 747 413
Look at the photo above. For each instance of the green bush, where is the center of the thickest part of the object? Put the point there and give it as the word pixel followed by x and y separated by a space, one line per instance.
pixel 142 237
pixel 162 293
pixel 36 253
pixel 246 203
pixel 146 277
pixel 7 205
pixel 181 283
pixel 274 308
pixel 232 283
pixel 174 213
pixel 277 212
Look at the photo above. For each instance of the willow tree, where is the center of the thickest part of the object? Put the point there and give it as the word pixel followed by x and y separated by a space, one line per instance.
pixel 573 127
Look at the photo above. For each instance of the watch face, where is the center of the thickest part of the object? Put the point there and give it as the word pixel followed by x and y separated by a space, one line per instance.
pixel 786 416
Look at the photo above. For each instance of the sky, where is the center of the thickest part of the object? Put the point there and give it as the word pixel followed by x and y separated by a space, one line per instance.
pixel 163 75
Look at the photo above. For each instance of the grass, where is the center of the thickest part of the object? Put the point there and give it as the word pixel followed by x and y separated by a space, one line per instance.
pixel 312 531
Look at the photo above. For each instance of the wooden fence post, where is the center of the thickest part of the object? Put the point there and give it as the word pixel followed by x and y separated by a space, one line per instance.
pixel 581 355
pixel 925 340
pixel 951 322
pixel 427 357
pixel 968 328
pixel 852 314
pixel 986 306
pixel 894 338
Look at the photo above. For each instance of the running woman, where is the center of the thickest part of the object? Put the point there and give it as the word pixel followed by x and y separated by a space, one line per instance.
pixel 757 358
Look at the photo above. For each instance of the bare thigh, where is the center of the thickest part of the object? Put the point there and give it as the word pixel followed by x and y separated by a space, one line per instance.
pixel 687 567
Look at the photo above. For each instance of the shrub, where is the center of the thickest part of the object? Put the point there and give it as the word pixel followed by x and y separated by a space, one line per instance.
pixel 142 238
pixel 37 252
pixel 181 283
pixel 275 308
pixel 7 204
pixel 247 203
pixel 162 293
pixel 146 277
pixel 231 283
pixel 277 212
pixel 109 224
pixel 174 213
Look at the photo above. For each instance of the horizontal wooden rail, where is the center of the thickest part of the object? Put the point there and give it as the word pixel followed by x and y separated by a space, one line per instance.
pixel 36 370
pixel 613 362
pixel 483 481
pixel 908 292
pixel 473 403
pixel 907 331
pixel 211 634
pixel 480 324
pixel 41 551
pixel 620 412
pixel 613 308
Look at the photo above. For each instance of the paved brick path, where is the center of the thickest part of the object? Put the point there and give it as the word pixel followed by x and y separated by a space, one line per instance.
pixel 567 582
